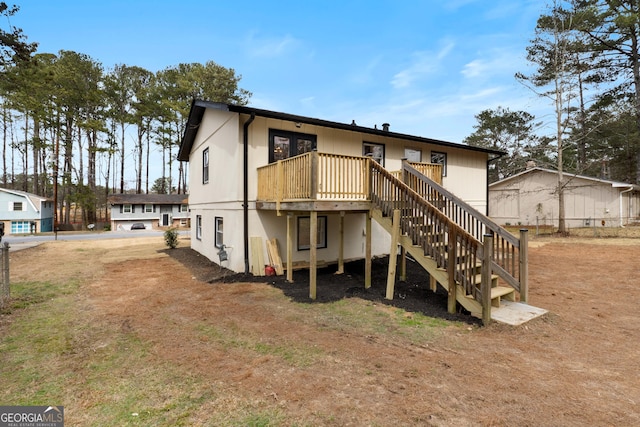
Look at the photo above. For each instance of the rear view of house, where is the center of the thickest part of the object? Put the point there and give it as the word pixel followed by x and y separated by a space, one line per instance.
pixel 23 212
pixel 315 186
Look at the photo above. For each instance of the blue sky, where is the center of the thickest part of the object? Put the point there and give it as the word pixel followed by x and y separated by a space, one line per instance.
pixel 425 67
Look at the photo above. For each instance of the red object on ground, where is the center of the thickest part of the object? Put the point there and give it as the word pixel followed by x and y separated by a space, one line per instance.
pixel 269 271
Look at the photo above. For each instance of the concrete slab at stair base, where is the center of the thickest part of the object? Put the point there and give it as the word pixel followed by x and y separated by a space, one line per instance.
pixel 515 313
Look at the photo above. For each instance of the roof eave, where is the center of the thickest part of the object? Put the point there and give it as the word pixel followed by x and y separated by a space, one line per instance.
pixel 198 108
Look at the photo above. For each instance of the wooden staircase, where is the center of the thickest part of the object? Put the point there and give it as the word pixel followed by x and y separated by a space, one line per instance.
pixel 462 250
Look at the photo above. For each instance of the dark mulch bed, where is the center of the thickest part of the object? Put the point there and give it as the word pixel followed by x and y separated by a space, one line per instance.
pixel 412 295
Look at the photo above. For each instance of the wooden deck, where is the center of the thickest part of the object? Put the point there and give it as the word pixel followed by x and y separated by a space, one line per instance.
pixel 475 260
pixel 322 182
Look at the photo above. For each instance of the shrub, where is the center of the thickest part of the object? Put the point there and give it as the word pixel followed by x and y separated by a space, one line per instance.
pixel 171 238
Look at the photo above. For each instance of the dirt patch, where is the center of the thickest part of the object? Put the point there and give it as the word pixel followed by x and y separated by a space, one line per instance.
pixel 575 366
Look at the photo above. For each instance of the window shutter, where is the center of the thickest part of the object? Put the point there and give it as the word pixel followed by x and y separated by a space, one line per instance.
pixel 121 208
pixel 133 208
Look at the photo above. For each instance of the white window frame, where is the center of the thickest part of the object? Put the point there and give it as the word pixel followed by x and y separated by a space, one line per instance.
pixel 205 166
pixel 20 227
pixel 148 208
pixel 184 208
pixel 199 227
pixel 127 208
pixel 219 231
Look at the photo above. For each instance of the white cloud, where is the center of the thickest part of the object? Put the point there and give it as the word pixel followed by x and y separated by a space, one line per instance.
pixel 454 5
pixel 308 102
pixel 491 64
pixel 365 75
pixel 270 47
pixel 423 63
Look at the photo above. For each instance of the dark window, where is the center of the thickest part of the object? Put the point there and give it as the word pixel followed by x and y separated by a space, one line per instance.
pixel 205 166
pixel 304 224
pixel 17 206
pixel 284 144
pixel 440 159
pixel 373 150
pixel 219 237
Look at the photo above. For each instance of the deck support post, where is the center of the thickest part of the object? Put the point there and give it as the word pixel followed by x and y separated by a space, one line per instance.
pixel 452 299
pixel 393 254
pixel 313 249
pixel 290 247
pixel 341 245
pixel 403 264
pixel 433 284
pixel 524 265
pixel 279 185
pixel 485 285
pixel 367 252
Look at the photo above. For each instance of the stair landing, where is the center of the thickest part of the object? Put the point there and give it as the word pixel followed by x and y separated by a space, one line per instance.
pixel 515 313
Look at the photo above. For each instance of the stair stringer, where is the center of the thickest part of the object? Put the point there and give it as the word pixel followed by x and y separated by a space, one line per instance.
pixel 429 264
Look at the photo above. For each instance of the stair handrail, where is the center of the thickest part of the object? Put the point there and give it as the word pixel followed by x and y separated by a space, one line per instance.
pixel 393 194
pixel 511 267
pixel 489 225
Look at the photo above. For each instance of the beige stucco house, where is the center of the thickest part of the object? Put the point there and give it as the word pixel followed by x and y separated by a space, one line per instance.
pixel 226 145
pixel 531 198
pixel 330 192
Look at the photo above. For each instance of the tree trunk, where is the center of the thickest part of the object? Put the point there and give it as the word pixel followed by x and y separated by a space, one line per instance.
pixel 635 64
pixel 147 169
pixel 90 206
pixel 122 151
pixel 25 155
pixel 4 144
pixel 36 155
pixel 80 172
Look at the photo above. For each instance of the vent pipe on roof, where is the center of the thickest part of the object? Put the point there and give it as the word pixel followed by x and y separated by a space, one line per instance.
pixel 385 127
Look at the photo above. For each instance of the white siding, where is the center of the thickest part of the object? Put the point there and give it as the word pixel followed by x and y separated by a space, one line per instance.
pixel 222 131
pixel 586 201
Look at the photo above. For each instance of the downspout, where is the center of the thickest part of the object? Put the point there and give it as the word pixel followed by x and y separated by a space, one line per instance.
pixel 487 190
pixel 245 200
pixel 620 211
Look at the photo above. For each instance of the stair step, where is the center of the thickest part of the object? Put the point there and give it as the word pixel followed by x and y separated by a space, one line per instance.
pixel 500 291
pixel 497 293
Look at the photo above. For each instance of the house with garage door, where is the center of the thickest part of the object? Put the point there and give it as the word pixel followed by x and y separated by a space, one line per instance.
pixel 531 198
pixel 149 211
pixel 23 213
pixel 290 191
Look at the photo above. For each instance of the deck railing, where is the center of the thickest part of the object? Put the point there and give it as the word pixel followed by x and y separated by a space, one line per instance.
pixel 325 176
pixel 432 171
pixel 429 228
pixel 508 255
pixel 431 215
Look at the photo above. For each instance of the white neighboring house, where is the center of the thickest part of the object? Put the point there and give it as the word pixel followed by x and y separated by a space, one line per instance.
pixel 530 198
pixel 23 212
pixel 155 211
pixel 234 152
